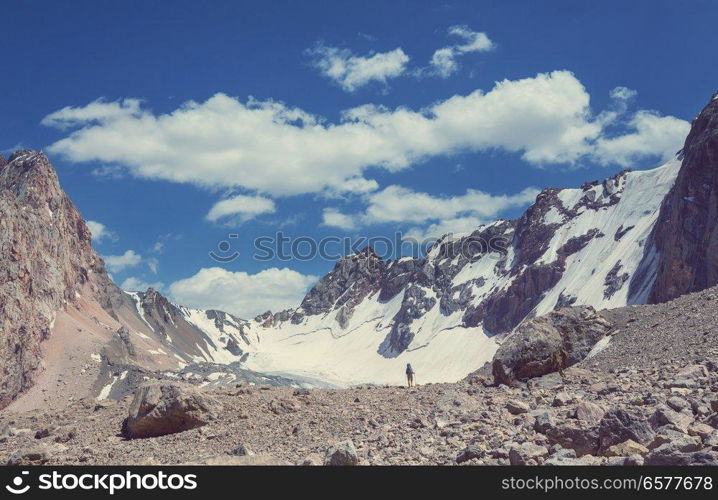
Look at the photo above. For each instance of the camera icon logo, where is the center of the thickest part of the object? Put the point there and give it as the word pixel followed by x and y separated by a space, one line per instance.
pixel 17 488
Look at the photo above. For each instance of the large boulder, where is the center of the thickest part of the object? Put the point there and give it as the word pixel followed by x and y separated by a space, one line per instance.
pixel 549 343
pixel 165 408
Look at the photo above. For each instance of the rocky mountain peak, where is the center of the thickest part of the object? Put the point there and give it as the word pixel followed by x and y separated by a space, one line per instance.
pixel 686 235
pixel 45 263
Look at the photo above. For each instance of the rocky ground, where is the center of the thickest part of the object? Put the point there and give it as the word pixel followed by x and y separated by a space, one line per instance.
pixel 649 397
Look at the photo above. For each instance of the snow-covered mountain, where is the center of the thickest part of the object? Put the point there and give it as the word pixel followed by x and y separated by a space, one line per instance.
pixel 637 237
pixel 367 318
pixel 604 244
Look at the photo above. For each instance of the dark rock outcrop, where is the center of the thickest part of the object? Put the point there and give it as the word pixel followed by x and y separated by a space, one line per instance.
pixel 686 234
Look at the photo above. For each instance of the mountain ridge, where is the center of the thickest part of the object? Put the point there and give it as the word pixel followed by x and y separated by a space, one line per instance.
pixel 606 244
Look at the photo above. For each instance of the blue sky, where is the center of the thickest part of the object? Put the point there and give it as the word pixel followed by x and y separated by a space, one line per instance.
pixel 334 119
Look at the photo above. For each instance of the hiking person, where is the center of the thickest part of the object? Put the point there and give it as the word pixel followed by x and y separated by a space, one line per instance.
pixel 409 375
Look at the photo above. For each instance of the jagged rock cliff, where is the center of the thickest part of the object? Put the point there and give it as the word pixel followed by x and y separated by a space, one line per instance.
pixel 686 235
pixel 46 261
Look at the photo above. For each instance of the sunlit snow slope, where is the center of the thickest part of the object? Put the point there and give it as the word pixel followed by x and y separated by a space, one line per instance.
pixel 367 318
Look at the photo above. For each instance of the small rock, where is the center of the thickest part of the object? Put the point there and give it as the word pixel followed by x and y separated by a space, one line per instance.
pixel 626 448
pixel 243 451
pixel 677 404
pixel 469 453
pixel 619 425
pixel 562 399
pixel 312 459
pixel 521 454
pixel 588 412
pixel 665 416
pixel 343 453
pixel 517 407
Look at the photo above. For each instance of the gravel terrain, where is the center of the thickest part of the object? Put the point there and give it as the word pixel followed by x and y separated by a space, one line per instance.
pixel 650 397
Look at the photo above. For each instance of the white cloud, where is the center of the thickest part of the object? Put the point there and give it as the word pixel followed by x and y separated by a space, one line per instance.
pixel 153 263
pixel 133 284
pixel 433 215
pixel 98 111
pixel 240 293
pixel 352 72
pixel 653 136
pixel 274 149
pixel 117 263
pixel 334 218
pixel 622 93
pixel 445 226
pixel 241 208
pixel 443 62
pixel 398 204
pixel 99 231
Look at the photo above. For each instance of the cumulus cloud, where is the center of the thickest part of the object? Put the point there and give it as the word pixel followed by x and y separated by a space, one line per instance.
pixel 431 215
pixel 117 263
pixel 99 231
pixel 332 217
pixel 652 135
pixel 444 60
pixel 273 149
pixel 623 93
pixel 240 293
pixel 133 284
pixel 445 226
pixel 241 208
pixel 352 72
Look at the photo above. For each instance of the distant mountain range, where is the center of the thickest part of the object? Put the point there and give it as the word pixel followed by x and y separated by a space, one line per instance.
pixel 69 332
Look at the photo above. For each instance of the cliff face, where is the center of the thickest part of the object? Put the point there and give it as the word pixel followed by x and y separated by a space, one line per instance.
pixel 686 235
pixel 46 260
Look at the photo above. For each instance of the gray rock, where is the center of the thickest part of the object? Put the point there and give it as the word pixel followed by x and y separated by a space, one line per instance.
pixel 665 416
pixel 520 454
pixel 343 453
pixel 681 442
pixel 676 403
pixel 165 408
pixel 588 412
pixel 469 453
pixel 543 420
pixel 668 455
pixel 516 407
pixel 583 440
pixel 620 425
pixel 35 453
pixel 243 451
pixel 548 343
pixel 562 399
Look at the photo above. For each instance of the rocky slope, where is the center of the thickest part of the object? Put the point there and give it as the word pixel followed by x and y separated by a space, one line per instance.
pixel 633 402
